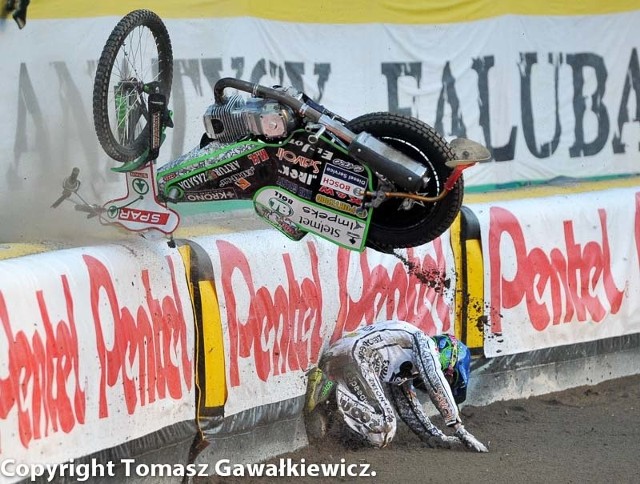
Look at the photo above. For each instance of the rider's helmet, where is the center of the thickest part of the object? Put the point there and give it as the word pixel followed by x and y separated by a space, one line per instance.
pixel 455 360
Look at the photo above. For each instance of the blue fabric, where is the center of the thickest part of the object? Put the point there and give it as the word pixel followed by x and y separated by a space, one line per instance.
pixel 462 369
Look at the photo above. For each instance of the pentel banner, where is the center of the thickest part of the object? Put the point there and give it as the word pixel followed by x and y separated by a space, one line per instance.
pixel 93 342
pixel 560 270
pixel 281 303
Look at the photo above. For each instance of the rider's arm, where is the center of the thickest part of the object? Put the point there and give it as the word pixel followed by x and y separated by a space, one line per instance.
pixel 434 381
pixel 410 411
pixel 439 391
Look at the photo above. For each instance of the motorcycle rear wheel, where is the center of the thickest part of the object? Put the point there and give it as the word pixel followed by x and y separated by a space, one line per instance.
pixel 393 226
pixel 137 53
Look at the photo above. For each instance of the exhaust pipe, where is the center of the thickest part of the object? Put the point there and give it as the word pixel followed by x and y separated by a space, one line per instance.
pixel 389 162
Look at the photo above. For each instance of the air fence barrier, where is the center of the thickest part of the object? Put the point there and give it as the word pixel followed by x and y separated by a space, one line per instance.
pixel 137 354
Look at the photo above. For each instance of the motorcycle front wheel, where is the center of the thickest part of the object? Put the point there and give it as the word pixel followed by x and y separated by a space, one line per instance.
pixel 399 224
pixel 136 60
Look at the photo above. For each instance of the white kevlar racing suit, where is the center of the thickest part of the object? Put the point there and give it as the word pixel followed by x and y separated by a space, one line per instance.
pixel 374 369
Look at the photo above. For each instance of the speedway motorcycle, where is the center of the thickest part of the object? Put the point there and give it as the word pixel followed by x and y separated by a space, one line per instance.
pixel 380 180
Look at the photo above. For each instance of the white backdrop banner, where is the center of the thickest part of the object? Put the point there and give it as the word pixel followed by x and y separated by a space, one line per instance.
pixel 552 96
pixel 560 270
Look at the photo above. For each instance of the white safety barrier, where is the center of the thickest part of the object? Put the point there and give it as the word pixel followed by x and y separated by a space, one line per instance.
pixel 561 269
pixel 282 302
pixel 96 349
pixel 99 345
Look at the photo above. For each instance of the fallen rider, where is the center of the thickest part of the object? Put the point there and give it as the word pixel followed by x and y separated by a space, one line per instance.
pixel 368 375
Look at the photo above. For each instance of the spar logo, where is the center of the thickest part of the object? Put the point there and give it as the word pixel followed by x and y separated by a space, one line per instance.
pixel 143 216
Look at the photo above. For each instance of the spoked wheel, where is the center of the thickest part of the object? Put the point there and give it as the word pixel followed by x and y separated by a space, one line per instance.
pixel 398 222
pixel 136 61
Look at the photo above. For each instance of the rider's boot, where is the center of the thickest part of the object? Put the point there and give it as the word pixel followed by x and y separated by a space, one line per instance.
pixel 317 414
pixel 319 389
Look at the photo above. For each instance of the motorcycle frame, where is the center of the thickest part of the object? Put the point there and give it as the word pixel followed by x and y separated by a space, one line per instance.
pixel 286 180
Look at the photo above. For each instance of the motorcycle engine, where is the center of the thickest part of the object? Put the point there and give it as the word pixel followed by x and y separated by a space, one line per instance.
pixel 238 118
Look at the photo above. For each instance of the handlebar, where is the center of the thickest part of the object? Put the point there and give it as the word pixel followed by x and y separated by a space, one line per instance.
pixel 69 185
pixel 305 107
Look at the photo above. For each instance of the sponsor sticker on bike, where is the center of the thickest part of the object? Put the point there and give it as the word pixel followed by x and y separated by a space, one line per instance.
pixel 140 209
pixel 342 229
pixel 226 169
pixel 211 195
pixel 294 188
pixel 239 179
pixel 258 157
pixel 193 181
pixel 347 165
pixel 143 216
pixel 343 181
pixel 243 183
pixel 295 159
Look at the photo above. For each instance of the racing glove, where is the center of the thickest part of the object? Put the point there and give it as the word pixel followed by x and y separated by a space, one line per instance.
pixel 442 441
pixel 469 441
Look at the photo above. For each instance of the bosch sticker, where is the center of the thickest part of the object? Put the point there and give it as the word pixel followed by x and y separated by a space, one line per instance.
pixel 344 181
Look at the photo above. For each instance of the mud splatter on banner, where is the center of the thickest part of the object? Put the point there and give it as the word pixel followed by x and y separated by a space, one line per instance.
pixel 282 302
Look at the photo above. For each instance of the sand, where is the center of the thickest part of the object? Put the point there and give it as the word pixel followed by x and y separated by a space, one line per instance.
pixel 586 434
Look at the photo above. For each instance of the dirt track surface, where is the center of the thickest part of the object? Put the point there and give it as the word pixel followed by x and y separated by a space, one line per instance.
pixel 587 434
